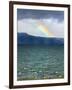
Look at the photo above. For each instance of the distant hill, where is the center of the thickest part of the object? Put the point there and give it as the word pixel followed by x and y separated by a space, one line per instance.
pixel 25 39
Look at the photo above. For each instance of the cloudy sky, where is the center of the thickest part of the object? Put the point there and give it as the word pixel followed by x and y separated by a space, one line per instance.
pixel 44 23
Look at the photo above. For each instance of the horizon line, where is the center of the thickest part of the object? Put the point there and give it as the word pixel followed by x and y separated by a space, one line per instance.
pixel 41 36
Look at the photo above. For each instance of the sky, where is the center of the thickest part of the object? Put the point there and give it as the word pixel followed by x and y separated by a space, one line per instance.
pixel 43 23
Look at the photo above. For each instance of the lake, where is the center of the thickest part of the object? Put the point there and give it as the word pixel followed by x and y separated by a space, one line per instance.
pixel 36 62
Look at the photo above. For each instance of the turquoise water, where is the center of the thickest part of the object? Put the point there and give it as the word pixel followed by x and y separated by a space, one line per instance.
pixel 40 62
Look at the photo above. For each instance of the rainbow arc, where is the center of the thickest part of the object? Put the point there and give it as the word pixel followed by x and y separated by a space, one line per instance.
pixel 44 28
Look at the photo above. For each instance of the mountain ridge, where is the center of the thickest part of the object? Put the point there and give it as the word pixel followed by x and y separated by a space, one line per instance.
pixel 26 39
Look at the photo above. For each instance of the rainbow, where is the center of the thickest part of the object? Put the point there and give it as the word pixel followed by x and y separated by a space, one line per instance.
pixel 43 28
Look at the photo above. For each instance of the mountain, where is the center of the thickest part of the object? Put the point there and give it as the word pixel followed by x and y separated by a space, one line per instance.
pixel 26 39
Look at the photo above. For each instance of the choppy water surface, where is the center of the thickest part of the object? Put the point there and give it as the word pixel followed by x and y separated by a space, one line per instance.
pixel 40 62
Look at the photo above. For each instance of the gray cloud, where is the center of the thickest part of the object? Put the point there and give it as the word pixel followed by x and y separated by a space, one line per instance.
pixel 39 14
pixel 29 26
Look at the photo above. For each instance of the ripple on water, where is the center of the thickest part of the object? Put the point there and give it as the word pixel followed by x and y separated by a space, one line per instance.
pixel 19 73
pixel 24 68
